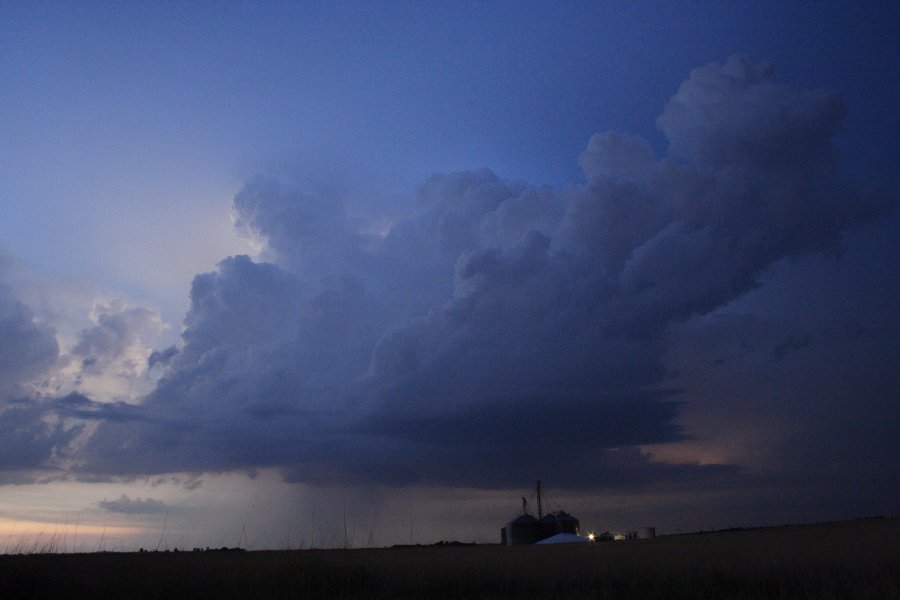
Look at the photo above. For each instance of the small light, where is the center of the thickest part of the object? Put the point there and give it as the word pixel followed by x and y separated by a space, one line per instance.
pixel 592 536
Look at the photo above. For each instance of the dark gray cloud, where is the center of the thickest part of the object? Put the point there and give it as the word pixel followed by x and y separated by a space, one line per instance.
pixel 811 402
pixel 40 434
pixel 27 348
pixel 137 506
pixel 161 357
pixel 31 437
pixel 801 375
pixel 502 330
pixel 78 406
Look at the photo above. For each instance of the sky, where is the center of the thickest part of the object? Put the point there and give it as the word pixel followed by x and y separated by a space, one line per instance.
pixel 301 274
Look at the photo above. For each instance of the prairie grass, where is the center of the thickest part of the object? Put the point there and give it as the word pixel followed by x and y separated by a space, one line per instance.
pixel 858 560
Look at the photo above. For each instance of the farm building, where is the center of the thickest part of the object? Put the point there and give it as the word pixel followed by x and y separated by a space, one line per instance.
pixel 526 529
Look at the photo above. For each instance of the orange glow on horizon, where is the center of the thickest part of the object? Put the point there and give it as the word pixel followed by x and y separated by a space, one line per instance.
pixel 19 527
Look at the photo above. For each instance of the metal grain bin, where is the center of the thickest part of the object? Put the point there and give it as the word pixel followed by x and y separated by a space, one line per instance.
pixel 524 529
pixel 559 522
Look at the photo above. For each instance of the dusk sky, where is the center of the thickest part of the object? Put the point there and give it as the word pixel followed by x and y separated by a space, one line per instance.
pixel 284 274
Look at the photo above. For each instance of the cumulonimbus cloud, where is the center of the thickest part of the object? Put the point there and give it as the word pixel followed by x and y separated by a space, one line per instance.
pixel 501 329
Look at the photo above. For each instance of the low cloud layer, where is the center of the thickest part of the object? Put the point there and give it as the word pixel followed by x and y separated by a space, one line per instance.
pixel 125 505
pixel 500 331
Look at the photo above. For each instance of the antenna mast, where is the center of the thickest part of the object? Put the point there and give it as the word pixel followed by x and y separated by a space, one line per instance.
pixel 540 510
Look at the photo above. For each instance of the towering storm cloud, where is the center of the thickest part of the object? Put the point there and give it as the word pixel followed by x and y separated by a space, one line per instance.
pixel 502 329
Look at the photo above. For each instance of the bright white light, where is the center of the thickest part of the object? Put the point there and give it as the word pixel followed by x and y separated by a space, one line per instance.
pixel 592 536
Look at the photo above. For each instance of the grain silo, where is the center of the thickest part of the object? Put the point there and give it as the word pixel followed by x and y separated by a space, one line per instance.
pixel 559 522
pixel 524 529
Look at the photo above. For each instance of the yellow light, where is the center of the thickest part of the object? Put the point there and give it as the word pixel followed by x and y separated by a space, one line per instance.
pixel 592 536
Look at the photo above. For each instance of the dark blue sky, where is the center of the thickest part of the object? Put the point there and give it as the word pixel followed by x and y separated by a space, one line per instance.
pixel 639 250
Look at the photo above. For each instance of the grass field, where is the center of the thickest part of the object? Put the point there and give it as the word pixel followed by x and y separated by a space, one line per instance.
pixel 858 560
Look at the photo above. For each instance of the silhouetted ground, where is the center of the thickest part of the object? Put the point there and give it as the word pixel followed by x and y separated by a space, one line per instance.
pixel 858 560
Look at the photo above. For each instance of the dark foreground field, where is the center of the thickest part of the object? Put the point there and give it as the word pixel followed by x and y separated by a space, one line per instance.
pixel 859 559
